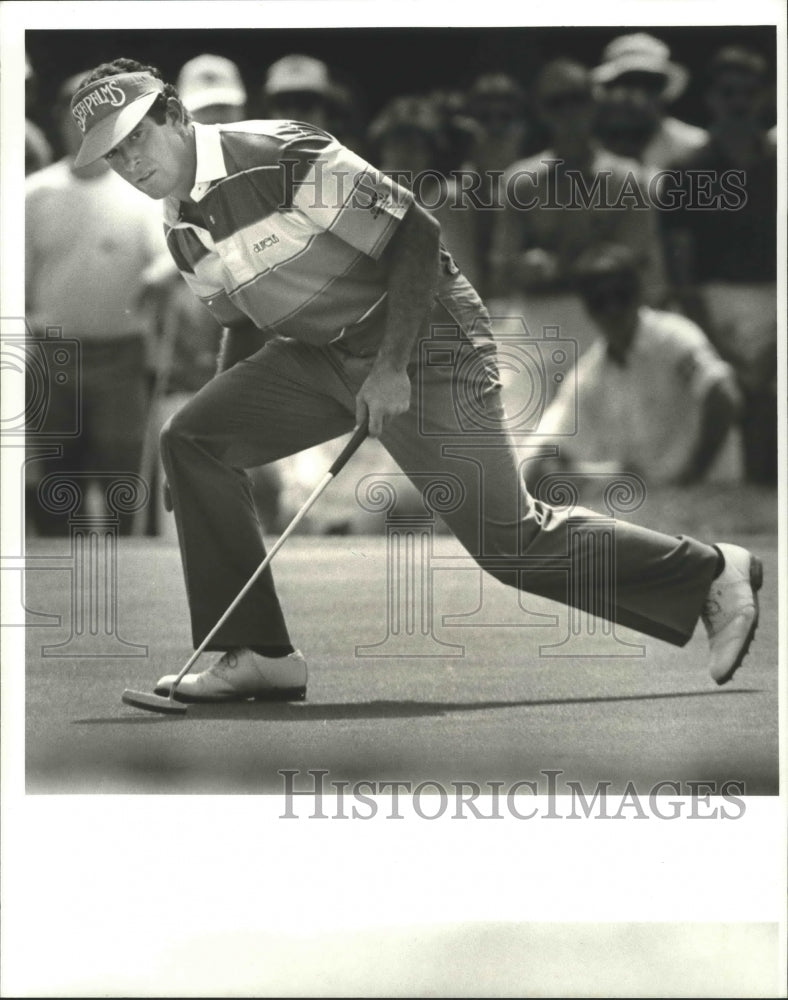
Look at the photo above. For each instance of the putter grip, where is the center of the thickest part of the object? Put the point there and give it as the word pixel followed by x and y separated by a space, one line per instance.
pixel 350 448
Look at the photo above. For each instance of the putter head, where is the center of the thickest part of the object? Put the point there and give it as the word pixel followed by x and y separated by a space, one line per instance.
pixel 152 702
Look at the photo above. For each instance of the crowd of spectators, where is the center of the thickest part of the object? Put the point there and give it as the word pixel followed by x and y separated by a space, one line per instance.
pixel 531 187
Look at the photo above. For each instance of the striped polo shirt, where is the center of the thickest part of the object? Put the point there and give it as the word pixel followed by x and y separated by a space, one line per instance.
pixel 288 229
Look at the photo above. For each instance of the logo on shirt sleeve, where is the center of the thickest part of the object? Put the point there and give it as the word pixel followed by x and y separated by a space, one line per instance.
pixel 377 198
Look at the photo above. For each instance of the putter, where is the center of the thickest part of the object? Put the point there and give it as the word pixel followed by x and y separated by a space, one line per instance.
pixel 168 705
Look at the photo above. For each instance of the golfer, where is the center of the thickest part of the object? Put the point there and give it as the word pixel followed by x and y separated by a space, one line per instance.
pixel 340 305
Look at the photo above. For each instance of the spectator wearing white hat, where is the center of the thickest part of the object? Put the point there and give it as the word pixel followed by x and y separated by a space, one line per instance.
pixel 299 87
pixel 212 90
pixel 636 81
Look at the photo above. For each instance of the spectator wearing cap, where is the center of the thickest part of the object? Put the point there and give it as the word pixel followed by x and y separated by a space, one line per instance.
pixel 299 87
pixel 410 140
pixel 212 90
pixel 724 262
pixel 557 204
pixel 302 88
pixel 637 81
pixel 496 104
pixel 38 152
pixel 88 238
pixel 650 395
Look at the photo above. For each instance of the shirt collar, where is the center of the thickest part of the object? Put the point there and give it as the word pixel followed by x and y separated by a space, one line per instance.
pixel 209 167
pixel 210 159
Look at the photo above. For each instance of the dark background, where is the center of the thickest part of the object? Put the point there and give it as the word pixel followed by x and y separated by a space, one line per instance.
pixel 381 62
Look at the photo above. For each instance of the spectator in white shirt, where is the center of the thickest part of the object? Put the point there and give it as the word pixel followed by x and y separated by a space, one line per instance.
pixel 650 396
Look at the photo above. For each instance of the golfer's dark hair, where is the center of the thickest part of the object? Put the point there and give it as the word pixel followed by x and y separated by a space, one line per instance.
pixel 603 262
pixel 158 110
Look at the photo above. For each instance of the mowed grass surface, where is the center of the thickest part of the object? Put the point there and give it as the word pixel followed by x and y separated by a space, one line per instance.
pixel 504 709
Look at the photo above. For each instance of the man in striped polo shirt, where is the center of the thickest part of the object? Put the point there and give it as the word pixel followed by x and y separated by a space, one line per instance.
pixel 341 305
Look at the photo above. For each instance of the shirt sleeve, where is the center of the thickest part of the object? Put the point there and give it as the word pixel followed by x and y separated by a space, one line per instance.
pixel 696 364
pixel 343 194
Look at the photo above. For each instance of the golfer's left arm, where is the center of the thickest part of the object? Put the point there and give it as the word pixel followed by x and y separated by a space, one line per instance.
pixel 412 258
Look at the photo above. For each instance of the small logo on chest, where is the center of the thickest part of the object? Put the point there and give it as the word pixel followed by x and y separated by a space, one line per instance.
pixel 269 241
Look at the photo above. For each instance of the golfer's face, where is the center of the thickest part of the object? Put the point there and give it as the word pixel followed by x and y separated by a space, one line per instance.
pixel 153 158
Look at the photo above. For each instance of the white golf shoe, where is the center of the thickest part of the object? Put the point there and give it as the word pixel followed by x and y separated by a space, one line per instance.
pixel 242 675
pixel 730 613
